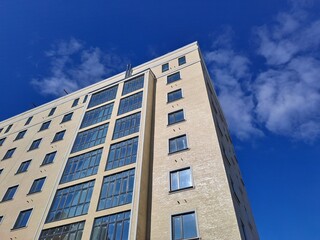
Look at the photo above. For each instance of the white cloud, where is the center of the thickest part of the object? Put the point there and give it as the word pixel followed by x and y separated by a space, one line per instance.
pixel 73 66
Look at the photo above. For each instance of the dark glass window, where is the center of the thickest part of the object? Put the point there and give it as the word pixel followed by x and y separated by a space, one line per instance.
pixel 9 153
pixel 175 95
pixel 35 144
pixel 2 141
pixel 67 117
pixel 52 111
pixel 133 85
pixel 184 226
pixel 122 153
pixel 175 117
pixel 1 218
pixel 130 103
pixel 20 135
pixel 103 96
pixel 182 60
pixel 37 185
pixel 24 166
pixel 1 170
pixel 127 125
pixel 81 166
pixel 1 129
pixel 22 219
pixel 28 121
pixel 45 126
pixel 173 77
pixel 71 202
pixel 71 231
pixel 90 138
pixel 165 67
pixel 97 115
pixel 8 128
pixel 85 98
pixel 59 136
pixel 10 193
pixel 180 179
pixel 111 227
pixel 177 144
pixel 48 158
pixel 116 190
pixel 75 102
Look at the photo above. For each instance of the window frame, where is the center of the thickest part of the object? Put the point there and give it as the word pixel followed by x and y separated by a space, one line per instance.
pixel 11 155
pixel 47 154
pixel 52 111
pixel 63 118
pixel 24 162
pixel 28 121
pixel 181 214
pixel 180 89
pixel 75 102
pixel 31 148
pixel 185 188
pixel 18 137
pixel 182 58
pixel 173 74
pixel 5 194
pixel 35 182
pixel 174 112
pixel 180 150
pixel 165 67
pixel 15 224
pixel 55 136
pixel 8 128
pixel 44 126
pixel 2 140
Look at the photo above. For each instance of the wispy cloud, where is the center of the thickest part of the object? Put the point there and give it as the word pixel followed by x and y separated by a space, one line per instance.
pixel 74 66
pixel 284 95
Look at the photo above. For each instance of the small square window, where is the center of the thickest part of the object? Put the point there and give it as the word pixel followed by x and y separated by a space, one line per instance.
pixel 182 60
pixel 178 144
pixel 2 141
pixel 28 121
pixel 184 226
pixel 165 67
pixel 67 117
pixel 52 111
pixel 180 179
pixel 75 102
pixel 9 153
pixel 175 95
pixel 59 136
pixel 49 158
pixel 10 193
pixel 173 77
pixel 175 117
pixel 37 185
pixel 8 128
pixel 22 219
pixel 35 144
pixel 24 166
pixel 45 126
pixel 20 135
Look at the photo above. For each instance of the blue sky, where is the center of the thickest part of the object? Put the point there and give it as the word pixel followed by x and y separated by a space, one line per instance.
pixel 263 57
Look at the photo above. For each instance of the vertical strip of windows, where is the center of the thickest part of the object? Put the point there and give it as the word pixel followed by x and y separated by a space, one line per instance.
pixel 103 96
pixel 133 85
pixel 127 125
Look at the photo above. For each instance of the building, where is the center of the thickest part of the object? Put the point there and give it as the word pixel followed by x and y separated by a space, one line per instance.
pixel 145 154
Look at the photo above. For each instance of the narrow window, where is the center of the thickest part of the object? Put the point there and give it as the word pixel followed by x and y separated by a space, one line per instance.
pixel 8 128
pixel 37 185
pixel 175 117
pixel 65 232
pixel 9 153
pixel 24 166
pixel 178 144
pixel 67 117
pixel 75 102
pixel 35 144
pixel 10 193
pixel 182 60
pixel 1 170
pixel 28 121
pixel 173 77
pixel 49 158
pixel 1 129
pixel 44 126
pixel 20 135
pixel 52 111
pixel 22 219
pixel 184 226
pixel 165 67
pixel 1 218
pixel 2 141
pixel 175 95
pixel 180 179
pixel 59 136
pixel 85 98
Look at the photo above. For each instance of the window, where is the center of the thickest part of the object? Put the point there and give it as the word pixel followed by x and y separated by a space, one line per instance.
pixel 49 158
pixel 2 141
pixel 97 115
pixel 20 135
pixel 8 128
pixel 85 98
pixel 1 218
pixel 67 117
pixel 10 193
pixel 9 153
pixel 75 102
pixel 1 129
pixel 122 153
pixel 1 170
pixel 71 231
pixel 103 96
pixel 175 117
pixel 175 95
pixel 45 126
pixel 165 67
pixel 130 103
pixel 71 202
pixel 173 77
pixel 180 179
pixel 22 219
pixel 111 227
pixel 59 136
pixel 184 226
pixel 178 144
pixel 90 138
pixel 35 144
pixel 182 60
pixel 133 85
pixel 24 166
pixel 126 126
pixel 116 190
pixel 52 111
pixel 28 121
pixel 81 166
pixel 37 185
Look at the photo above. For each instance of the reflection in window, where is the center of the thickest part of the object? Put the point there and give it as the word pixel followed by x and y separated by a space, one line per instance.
pixel 97 115
pixel 130 103
pixel 66 232
pixel 133 85
pixel 103 96
pixel 127 125
pixel 184 226
pixel 37 185
pixel 178 144
pixel 180 179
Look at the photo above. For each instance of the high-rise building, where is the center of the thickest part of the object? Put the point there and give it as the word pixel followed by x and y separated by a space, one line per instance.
pixel 145 154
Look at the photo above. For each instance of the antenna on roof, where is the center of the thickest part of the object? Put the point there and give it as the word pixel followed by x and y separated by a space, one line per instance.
pixel 65 91
pixel 128 71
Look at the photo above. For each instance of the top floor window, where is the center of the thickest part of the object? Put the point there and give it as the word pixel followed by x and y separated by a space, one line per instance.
pixel 103 96
pixel 28 120
pixel 173 77
pixel 182 60
pixel 8 128
pixel 52 111
pixel 133 85
pixel 75 102
pixel 165 67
